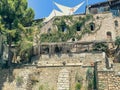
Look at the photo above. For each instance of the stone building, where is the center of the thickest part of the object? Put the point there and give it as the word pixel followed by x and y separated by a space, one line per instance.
pixel 112 6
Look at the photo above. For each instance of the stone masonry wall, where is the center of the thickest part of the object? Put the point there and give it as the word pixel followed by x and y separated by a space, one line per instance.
pixel 103 23
pixel 107 80
pixel 50 73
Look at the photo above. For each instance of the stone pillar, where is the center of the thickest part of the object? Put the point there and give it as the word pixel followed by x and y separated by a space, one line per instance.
pixel 50 50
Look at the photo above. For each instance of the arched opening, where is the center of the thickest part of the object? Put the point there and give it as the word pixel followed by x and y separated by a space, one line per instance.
pixel 116 23
pixel 92 26
pixel 73 39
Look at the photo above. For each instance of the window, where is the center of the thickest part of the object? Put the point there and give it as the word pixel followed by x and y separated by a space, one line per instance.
pixel 92 26
pixel 49 30
pixel 116 23
pixel 73 39
pixel 109 33
pixel 63 27
pixel 78 27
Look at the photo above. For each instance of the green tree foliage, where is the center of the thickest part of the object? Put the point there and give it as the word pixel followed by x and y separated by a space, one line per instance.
pixel 14 16
pixel 100 47
pixel 90 78
pixel 78 86
pixel 117 42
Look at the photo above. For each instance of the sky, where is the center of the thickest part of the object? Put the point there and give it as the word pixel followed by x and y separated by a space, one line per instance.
pixel 43 8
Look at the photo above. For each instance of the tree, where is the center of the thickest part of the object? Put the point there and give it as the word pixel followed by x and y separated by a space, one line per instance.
pixel 89 78
pixel 14 16
pixel 117 42
pixel 117 50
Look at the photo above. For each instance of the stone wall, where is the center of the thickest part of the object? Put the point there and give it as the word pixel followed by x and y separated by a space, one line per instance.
pixel 51 74
pixel 84 59
pixel 103 23
pixel 108 80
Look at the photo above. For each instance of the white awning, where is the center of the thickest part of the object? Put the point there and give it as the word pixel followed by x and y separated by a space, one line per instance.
pixel 52 14
pixel 69 10
pixel 64 11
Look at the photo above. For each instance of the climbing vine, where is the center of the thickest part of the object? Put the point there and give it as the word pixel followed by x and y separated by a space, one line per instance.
pixel 67 29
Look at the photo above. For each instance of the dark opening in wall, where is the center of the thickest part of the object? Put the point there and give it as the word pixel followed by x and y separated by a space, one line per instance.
pixel 92 26
pixel 108 33
pixel 45 50
pixel 73 39
pixel 49 30
pixel 63 27
pixel 58 49
pixel 78 27
pixel 116 23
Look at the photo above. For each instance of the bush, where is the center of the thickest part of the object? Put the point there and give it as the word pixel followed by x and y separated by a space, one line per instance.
pixel 78 86
pixel 41 87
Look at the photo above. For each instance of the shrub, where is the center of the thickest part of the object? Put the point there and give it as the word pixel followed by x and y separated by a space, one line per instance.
pixel 78 86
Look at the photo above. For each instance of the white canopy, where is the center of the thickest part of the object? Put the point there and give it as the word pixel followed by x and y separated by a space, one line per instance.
pixel 68 10
pixel 65 11
pixel 52 14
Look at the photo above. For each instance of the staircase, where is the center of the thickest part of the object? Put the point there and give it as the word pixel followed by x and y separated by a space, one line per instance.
pixel 63 80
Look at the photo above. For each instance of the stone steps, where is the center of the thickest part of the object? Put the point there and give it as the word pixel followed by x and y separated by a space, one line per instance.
pixel 63 80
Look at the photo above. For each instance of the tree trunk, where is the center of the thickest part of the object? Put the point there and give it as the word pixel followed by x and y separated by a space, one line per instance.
pixel 9 50
pixel 9 38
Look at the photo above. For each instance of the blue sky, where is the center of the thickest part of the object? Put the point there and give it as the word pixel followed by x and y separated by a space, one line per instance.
pixel 42 8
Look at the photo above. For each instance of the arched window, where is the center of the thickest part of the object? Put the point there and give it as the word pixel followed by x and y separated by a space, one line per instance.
pixel 116 23
pixel 92 26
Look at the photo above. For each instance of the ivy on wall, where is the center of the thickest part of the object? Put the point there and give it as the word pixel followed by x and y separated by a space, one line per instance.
pixel 67 29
